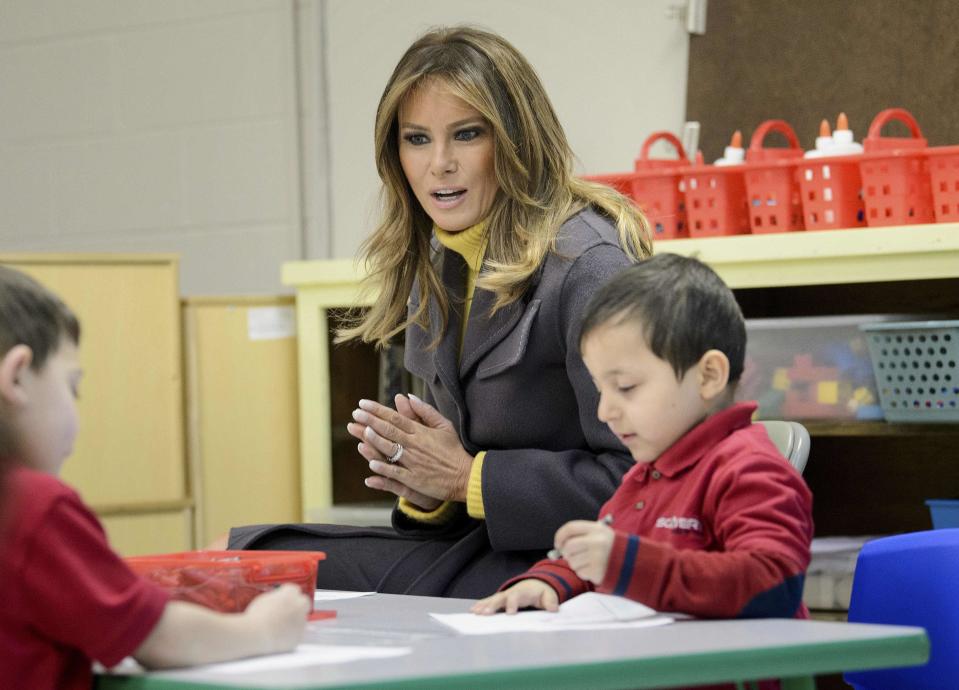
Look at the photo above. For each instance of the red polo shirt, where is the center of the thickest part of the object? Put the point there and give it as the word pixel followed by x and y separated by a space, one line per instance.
pixel 67 597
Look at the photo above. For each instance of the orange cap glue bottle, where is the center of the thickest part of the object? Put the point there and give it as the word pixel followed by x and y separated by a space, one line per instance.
pixel 734 154
pixel 824 143
pixel 844 143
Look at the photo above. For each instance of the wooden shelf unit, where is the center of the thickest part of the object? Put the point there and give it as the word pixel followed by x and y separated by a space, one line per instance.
pixel 869 270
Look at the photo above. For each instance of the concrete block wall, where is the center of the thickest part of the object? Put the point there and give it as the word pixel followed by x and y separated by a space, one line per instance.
pixel 153 125
pixel 238 133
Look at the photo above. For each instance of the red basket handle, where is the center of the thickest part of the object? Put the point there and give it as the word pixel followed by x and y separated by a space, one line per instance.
pixel 875 140
pixel 662 136
pixel 781 126
pixel 890 114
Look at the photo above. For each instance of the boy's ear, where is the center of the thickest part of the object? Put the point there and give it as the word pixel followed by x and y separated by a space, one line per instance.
pixel 12 368
pixel 713 374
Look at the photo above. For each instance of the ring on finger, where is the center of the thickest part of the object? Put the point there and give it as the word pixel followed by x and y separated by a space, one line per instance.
pixel 397 453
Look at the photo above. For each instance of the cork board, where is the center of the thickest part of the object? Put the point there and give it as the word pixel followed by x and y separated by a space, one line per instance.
pixel 805 61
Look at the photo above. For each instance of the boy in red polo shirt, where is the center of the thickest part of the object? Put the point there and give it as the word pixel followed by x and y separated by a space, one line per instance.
pixel 68 598
pixel 711 521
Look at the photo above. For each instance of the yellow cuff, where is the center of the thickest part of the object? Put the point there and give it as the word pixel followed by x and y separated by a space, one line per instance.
pixel 474 490
pixel 434 517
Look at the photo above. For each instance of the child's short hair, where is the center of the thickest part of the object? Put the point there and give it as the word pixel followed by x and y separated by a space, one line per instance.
pixel 684 308
pixel 33 316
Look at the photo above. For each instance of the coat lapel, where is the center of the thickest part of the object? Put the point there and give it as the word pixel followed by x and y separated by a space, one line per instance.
pixel 484 332
pixel 453 274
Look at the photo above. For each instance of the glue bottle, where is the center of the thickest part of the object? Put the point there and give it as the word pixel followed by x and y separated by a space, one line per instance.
pixel 843 142
pixel 734 154
pixel 825 143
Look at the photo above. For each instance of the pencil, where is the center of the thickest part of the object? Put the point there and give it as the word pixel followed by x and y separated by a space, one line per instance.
pixel 554 554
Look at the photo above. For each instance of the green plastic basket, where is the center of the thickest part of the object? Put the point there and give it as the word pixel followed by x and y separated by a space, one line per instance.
pixel 916 364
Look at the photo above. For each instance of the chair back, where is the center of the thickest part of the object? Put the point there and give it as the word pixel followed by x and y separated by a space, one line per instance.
pixel 792 440
pixel 910 579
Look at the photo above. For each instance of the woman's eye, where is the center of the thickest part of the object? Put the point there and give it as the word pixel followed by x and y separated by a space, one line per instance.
pixel 468 134
pixel 416 139
pixel 625 389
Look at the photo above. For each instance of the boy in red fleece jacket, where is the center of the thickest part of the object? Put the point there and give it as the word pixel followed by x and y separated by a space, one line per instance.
pixel 711 521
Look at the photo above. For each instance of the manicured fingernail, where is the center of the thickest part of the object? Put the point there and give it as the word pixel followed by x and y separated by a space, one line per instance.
pixel 361 416
pixel 366 404
pixel 414 397
pixel 375 465
pixel 368 433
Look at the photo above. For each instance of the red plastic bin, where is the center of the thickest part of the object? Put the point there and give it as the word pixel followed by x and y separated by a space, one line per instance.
pixel 896 184
pixel 621 182
pixel 944 176
pixel 772 190
pixel 656 188
pixel 715 199
pixel 831 191
pixel 228 580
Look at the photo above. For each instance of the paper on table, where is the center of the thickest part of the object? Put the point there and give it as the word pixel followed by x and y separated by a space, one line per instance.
pixel 331 594
pixel 589 611
pixel 305 655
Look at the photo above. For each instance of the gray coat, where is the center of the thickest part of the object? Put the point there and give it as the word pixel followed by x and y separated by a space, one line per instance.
pixel 521 392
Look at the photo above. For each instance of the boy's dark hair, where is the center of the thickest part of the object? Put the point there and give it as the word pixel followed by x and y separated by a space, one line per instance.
pixel 33 316
pixel 684 309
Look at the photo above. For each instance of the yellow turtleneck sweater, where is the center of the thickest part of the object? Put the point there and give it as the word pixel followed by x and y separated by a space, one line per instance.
pixel 471 245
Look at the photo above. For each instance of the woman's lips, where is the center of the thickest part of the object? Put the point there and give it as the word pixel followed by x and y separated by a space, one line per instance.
pixel 448 198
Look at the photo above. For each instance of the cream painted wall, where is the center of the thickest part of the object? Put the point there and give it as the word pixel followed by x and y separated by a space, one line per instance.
pixel 615 71
pixel 238 133
pixel 153 125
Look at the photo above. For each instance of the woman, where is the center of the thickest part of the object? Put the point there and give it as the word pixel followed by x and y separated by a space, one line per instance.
pixel 487 250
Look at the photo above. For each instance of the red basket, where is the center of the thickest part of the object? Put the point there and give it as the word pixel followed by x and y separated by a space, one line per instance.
pixel 621 182
pixel 772 190
pixel 895 174
pixel 944 176
pixel 715 199
pixel 656 188
pixel 228 580
pixel 831 190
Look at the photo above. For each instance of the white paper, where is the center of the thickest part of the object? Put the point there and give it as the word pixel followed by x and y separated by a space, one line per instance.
pixel 589 611
pixel 305 655
pixel 270 323
pixel 333 594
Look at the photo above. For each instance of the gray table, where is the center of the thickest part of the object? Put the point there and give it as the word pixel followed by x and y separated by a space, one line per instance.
pixel 683 653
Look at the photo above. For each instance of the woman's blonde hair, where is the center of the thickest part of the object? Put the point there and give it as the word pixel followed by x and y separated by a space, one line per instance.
pixel 533 165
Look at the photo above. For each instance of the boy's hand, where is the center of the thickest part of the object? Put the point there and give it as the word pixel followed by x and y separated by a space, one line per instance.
pixel 524 593
pixel 586 546
pixel 281 617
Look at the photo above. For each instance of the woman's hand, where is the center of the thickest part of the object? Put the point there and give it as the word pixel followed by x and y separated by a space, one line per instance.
pixel 586 546
pixel 524 593
pixel 433 467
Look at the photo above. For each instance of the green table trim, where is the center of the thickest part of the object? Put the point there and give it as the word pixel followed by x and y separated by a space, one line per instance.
pixel 715 667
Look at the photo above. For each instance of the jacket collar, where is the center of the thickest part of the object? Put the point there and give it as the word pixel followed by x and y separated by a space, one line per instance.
pixel 695 443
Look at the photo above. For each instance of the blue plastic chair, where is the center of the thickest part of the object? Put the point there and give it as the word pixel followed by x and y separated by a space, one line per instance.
pixel 911 579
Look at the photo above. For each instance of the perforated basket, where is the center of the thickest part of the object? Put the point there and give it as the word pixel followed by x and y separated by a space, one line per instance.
pixel 657 188
pixel 772 189
pixel 715 199
pixel 896 185
pixel 228 580
pixel 916 364
pixel 944 173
